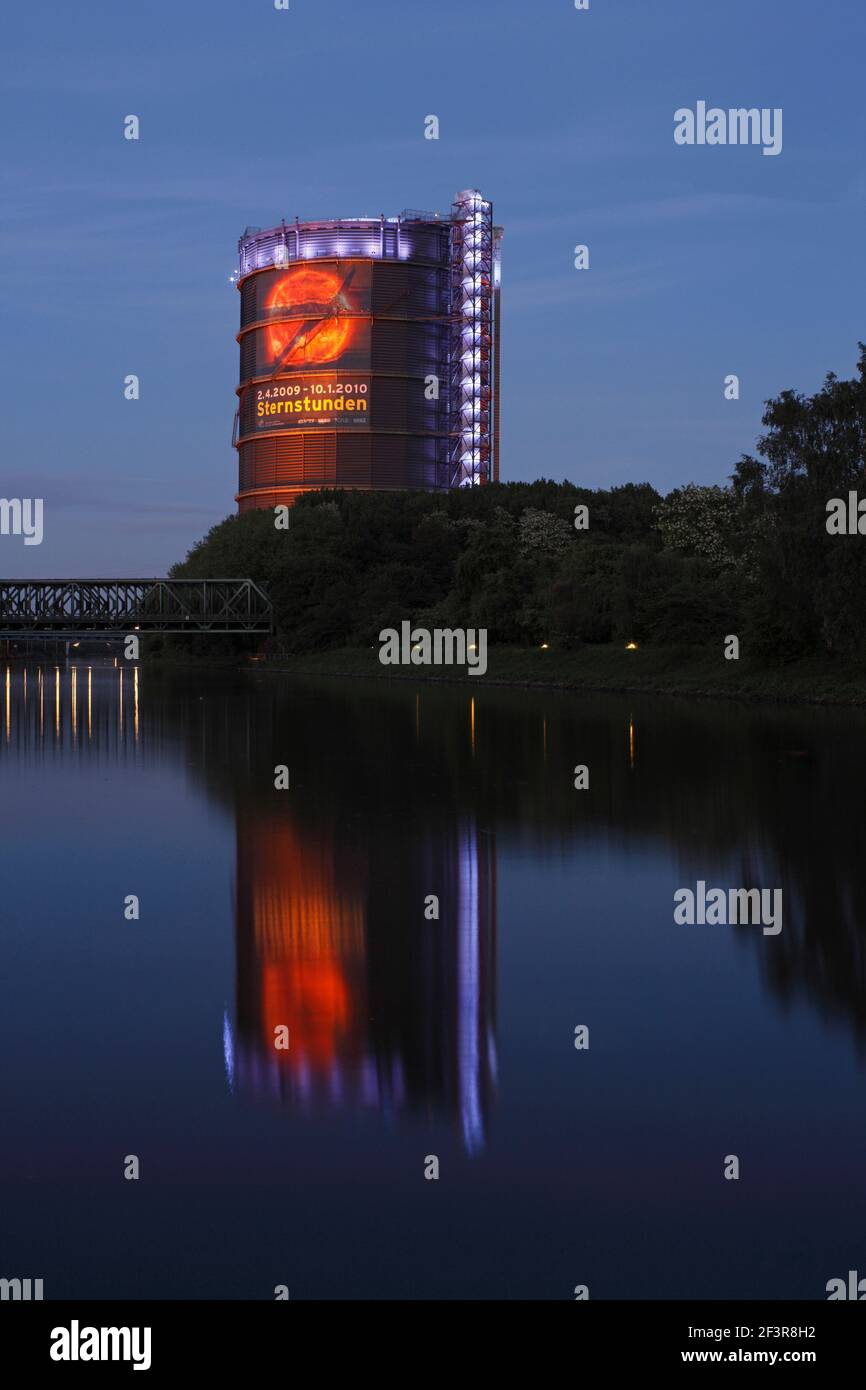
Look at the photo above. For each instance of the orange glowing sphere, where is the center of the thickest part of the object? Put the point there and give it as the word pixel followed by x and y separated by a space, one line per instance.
pixel 319 330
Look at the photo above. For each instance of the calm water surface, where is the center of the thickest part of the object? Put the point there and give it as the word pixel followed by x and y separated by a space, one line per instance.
pixel 411 1037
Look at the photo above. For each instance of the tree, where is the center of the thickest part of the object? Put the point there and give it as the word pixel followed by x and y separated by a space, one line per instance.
pixel 700 521
pixel 806 586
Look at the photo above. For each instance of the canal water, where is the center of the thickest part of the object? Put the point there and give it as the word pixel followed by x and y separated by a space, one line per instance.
pixel 427 914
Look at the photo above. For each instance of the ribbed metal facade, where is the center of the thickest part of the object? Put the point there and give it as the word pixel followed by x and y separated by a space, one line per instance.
pixel 349 357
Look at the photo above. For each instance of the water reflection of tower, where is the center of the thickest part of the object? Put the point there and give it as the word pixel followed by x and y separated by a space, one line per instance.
pixel 384 1007
pixel 433 983
pixel 300 957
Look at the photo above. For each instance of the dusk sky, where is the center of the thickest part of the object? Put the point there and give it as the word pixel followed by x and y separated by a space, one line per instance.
pixel 704 261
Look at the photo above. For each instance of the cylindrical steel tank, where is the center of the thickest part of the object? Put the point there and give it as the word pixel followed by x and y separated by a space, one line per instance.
pixel 344 357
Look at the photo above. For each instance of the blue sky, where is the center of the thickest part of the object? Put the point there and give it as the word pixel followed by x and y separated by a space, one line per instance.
pixel 704 261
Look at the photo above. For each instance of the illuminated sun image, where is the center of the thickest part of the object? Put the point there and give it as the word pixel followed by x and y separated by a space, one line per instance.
pixel 319 330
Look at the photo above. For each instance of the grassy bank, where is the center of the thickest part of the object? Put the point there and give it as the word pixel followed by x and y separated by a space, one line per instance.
pixel 661 670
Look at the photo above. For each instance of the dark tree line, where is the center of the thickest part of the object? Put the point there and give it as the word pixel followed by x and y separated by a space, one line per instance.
pixel 753 558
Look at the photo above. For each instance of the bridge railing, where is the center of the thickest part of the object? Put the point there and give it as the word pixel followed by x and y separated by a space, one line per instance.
pixel 74 606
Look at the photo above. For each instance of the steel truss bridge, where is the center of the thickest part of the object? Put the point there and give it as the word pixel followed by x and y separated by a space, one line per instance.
pixel 116 607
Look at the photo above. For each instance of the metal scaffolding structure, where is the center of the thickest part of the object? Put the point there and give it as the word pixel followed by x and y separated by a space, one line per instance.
pixel 472 349
pixel 94 607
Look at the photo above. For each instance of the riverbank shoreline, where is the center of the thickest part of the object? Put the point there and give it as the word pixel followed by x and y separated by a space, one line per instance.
pixel 685 673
